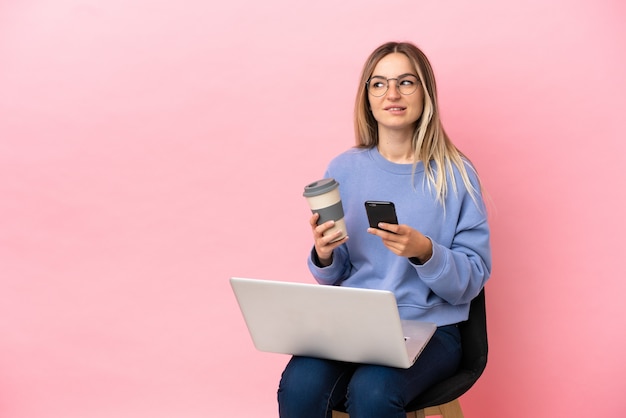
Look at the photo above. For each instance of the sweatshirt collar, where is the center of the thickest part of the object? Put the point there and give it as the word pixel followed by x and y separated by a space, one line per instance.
pixel 384 164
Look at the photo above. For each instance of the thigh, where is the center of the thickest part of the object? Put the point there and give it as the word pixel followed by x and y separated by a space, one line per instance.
pixel 385 391
pixel 311 387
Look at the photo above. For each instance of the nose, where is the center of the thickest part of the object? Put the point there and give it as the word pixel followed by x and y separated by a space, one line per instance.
pixel 393 91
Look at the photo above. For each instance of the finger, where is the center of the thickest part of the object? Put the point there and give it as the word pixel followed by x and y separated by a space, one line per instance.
pixel 395 228
pixel 333 241
pixel 384 234
pixel 374 231
pixel 313 220
pixel 325 246
pixel 325 226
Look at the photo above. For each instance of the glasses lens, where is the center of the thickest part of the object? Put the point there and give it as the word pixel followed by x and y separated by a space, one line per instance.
pixel 408 84
pixel 377 86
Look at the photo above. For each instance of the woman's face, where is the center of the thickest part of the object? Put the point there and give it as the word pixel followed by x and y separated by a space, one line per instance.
pixel 394 110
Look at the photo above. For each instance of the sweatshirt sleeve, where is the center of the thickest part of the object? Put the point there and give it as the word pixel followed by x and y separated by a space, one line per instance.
pixel 336 272
pixel 457 273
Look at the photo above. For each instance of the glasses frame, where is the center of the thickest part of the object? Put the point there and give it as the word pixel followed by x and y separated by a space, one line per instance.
pixel 397 80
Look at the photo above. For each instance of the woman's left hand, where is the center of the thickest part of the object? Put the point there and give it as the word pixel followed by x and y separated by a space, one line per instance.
pixel 404 241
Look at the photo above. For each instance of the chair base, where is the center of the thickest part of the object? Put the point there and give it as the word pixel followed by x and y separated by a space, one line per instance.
pixel 446 410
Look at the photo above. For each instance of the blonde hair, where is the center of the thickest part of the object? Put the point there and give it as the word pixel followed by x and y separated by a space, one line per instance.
pixel 430 141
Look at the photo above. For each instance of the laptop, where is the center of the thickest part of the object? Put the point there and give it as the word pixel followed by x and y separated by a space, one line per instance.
pixel 331 322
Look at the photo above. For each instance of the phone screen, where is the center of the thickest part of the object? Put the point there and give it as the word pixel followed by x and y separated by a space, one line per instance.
pixel 380 211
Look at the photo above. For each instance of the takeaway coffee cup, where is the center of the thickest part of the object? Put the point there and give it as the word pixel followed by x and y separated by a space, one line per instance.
pixel 323 197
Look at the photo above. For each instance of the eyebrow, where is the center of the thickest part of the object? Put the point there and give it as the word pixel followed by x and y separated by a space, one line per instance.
pixel 400 76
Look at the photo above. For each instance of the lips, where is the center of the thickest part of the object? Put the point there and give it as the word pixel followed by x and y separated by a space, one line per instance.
pixel 395 108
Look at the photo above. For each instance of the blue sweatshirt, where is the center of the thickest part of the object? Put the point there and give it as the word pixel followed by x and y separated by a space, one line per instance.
pixel 441 289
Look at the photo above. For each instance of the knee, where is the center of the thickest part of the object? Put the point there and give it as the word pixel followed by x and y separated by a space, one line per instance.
pixel 294 386
pixel 372 395
pixel 302 374
pixel 305 388
pixel 294 396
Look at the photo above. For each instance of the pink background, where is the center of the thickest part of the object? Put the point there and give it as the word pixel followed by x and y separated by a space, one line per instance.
pixel 145 144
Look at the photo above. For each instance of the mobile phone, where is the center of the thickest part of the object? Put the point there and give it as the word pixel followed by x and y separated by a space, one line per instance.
pixel 380 211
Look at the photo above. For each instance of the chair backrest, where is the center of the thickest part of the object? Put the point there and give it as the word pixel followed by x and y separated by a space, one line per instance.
pixel 473 362
pixel 474 337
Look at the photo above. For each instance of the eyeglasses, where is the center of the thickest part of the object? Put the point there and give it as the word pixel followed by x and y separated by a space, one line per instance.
pixel 378 86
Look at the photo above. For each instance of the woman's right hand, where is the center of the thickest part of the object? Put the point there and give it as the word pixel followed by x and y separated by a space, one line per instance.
pixel 323 245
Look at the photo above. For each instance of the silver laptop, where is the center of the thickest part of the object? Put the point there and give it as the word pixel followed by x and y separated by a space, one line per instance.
pixel 332 322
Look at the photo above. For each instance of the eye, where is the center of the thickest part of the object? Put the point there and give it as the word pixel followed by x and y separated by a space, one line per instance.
pixel 407 84
pixel 377 83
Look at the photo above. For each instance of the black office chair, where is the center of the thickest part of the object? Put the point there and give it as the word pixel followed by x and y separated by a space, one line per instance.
pixel 442 398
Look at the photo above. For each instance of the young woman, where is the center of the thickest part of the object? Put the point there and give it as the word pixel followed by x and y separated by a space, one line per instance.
pixel 435 261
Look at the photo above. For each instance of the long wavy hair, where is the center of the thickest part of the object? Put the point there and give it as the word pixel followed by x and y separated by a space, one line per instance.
pixel 430 141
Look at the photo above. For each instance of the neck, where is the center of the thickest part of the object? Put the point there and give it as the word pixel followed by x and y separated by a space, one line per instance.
pixel 396 148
